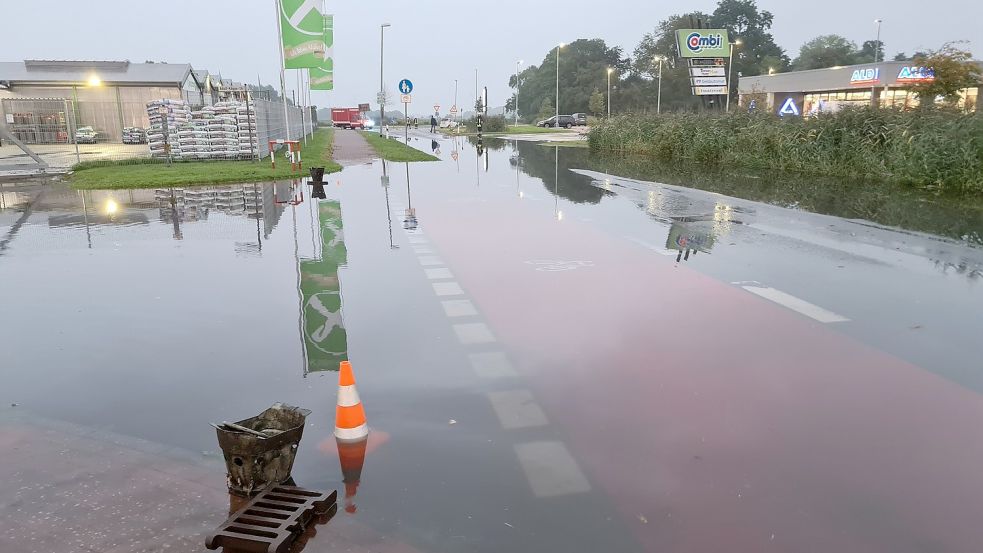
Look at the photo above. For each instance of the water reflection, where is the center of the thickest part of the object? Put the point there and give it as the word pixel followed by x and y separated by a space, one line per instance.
pixel 324 336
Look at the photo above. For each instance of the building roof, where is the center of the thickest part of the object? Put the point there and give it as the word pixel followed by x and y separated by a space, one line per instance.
pixel 109 72
pixel 888 73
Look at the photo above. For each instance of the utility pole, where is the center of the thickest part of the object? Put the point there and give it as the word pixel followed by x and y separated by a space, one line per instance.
pixel 556 123
pixel 610 70
pixel 516 106
pixel 283 77
pixel 877 55
pixel 382 85
pixel 658 104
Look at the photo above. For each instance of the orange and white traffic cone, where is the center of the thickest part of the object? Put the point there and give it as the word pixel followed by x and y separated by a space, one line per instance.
pixel 352 456
pixel 350 422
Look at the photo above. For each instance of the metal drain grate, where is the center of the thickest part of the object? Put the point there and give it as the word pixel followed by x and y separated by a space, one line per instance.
pixel 272 520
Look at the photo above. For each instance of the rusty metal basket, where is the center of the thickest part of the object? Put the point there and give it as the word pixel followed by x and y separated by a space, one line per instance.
pixel 254 462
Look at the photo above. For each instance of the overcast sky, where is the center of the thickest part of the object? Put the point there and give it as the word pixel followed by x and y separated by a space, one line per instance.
pixel 431 42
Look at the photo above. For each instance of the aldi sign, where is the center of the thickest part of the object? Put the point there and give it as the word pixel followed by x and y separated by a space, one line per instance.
pixel 866 76
pixel 915 74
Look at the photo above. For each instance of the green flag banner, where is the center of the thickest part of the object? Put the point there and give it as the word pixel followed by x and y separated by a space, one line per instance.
pixel 322 77
pixel 302 32
pixel 325 338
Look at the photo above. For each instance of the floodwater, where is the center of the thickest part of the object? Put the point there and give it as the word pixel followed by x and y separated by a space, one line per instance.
pixel 554 354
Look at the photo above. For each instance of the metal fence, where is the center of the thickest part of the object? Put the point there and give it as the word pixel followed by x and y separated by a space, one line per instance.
pixel 64 132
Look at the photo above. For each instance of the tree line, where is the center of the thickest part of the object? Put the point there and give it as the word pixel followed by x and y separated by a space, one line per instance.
pixel 584 64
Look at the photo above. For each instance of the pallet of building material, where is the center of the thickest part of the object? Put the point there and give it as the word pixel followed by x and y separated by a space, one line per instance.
pixel 272 520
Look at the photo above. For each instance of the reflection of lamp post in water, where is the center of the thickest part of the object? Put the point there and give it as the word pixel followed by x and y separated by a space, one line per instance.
pixel 410 223
pixel 175 219
pixel 389 215
pixel 556 184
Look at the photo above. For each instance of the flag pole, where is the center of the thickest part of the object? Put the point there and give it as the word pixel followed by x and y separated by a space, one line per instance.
pixel 283 70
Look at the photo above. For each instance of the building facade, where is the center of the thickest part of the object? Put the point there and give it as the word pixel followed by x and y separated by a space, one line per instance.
pixel 885 84
pixel 41 99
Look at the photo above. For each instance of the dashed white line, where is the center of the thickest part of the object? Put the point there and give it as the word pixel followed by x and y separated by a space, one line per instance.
pixel 420 250
pixel 492 364
pixel 517 409
pixel 429 260
pixel 550 469
pixel 416 239
pixel 438 273
pixel 447 288
pixel 459 308
pixel 796 304
pixel 473 333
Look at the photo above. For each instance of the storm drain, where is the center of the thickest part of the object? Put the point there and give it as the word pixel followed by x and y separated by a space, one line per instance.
pixel 272 520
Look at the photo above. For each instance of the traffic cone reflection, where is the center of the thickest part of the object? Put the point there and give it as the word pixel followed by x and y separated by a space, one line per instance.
pixel 352 457
pixel 350 424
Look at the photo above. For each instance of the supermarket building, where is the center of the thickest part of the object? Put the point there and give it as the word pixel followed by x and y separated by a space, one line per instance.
pixel 885 84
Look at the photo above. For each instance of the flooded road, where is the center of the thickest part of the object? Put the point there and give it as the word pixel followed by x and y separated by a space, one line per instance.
pixel 554 353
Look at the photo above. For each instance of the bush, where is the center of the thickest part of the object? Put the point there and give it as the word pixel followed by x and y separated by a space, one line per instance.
pixel 931 148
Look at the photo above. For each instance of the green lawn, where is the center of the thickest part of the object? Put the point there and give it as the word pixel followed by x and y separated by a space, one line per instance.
pixel 391 149
pixel 148 173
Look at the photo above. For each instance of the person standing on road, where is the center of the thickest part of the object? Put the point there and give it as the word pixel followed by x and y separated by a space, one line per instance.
pixel 433 124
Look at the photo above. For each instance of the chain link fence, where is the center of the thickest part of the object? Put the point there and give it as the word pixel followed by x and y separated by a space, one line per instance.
pixel 65 132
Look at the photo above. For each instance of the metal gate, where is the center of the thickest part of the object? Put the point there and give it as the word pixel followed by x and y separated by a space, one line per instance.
pixel 39 120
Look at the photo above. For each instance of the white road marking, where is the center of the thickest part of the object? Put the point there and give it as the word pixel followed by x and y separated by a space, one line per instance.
pixel 438 272
pixel 447 288
pixel 492 364
pixel 420 250
pixel 415 239
pixel 796 304
pixel 459 308
pixel 550 469
pixel 517 409
pixel 657 249
pixel 473 333
pixel 429 260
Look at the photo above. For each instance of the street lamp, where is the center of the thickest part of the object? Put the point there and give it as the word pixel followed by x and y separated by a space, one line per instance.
pixel 610 70
pixel 94 80
pixel 382 84
pixel 730 69
pixel 877 55
pixel 516 106
pixel 658 104
pixel 556 124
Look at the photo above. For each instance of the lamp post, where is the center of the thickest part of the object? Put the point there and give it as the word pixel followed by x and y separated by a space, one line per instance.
pixel 877 55
pixel 516 106
pixel 730 69
pixel 658 102
pixel 382 84
pixel 610 70
pixel 556 123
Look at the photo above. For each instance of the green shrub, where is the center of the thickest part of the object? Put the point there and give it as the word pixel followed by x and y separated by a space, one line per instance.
pixel 931 148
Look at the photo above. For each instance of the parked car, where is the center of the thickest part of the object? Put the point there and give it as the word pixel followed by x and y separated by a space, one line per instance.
pixel 580 119
pixel 85 135
pixel 566 121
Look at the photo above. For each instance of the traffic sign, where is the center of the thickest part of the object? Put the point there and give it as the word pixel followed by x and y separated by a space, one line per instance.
pixel 406 98
pixel 381 98
pixel 453 109
pixel 406 86
pixel 436 108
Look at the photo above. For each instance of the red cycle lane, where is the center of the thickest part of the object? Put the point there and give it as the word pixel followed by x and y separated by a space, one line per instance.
pixel 713 419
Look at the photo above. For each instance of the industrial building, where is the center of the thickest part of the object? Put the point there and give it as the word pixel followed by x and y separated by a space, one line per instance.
pixel 40 100
pixel 885 84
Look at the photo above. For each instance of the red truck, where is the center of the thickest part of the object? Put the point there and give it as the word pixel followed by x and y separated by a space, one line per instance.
pixel 347 118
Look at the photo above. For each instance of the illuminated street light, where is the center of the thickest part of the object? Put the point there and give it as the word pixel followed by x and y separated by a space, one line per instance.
pixel 94 80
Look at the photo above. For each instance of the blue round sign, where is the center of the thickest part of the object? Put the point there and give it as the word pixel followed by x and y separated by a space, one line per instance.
pixel 405 86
